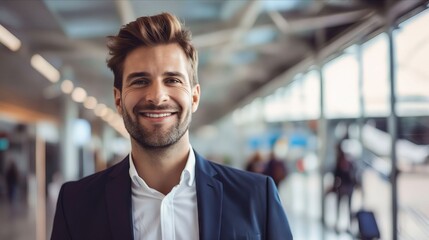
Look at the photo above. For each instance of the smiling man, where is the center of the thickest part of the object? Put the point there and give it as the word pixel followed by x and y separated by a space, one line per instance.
pixel 163 189
pixel 157 97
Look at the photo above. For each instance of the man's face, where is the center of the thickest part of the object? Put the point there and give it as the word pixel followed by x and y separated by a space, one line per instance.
pixel 157 99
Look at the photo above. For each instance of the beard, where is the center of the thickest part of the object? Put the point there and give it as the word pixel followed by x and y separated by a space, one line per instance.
pixel 156 137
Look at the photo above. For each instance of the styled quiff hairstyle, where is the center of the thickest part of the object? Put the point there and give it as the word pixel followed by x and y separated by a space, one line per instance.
pixel 149 31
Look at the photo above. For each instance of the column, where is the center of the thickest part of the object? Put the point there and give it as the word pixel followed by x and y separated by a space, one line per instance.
pixel 69 164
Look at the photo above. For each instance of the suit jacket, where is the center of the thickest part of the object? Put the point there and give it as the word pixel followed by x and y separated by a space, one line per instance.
pixel 232 204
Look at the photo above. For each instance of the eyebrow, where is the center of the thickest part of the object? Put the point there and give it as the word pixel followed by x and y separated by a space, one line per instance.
pixel 174 74
pixel 137 74
pixel 146 74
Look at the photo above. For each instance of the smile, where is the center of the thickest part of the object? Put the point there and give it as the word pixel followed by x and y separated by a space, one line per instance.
pixel 157 115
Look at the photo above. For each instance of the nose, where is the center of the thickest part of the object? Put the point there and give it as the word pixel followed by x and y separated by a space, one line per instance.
pixel 157 93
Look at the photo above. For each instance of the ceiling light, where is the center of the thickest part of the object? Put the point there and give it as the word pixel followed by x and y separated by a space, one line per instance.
pixel 104 112
pixel 120 127
pixel 90 102
pixel 9 40
pixel 115 119
pixel 79 94
pixel 109 116
pixel 99 109
pixel 45 68
pixel 67 86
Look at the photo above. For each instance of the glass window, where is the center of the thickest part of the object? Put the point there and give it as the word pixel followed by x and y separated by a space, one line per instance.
pixel 341 86
pixel 412 95
pixel 311 98
pixel 412 48
pixel 376 85
pixel 274 111
pixel 297 101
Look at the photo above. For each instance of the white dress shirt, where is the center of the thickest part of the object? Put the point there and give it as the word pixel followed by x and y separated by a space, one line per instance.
pixel 169 217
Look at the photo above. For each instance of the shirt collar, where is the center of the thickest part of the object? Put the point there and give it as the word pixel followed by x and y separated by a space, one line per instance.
pixel 188 173
pixel 187 176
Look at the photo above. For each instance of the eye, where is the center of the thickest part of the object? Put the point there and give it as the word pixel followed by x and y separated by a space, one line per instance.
pixel 140 82
pixel 173 81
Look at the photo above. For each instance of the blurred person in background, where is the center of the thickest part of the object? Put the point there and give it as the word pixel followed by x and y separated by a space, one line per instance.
pixel 12 177
pixel 275 168
pixel 255 163
pixel 163 189
pixel 344 179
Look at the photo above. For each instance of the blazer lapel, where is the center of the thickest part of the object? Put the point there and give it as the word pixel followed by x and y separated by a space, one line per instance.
pixel 118 199
pixel 209 199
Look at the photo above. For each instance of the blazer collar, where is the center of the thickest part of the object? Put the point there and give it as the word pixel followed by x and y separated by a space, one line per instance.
pixel 118 200
pixel 209 199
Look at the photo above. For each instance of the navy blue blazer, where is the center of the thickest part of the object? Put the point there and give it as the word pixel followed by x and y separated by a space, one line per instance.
pixel 232 204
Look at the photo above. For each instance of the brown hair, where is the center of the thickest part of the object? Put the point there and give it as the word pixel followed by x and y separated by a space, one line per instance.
pixel 164 28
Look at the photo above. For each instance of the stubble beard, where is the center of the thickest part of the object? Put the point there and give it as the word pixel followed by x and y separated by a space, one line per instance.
pixel 156 138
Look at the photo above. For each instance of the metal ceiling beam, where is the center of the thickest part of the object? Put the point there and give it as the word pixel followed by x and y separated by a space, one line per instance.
pixel 243 22
pixel 357 32
pixel 318 22
pixel 57 44
pixel 375 21
pixel 220 37
pixel 213 38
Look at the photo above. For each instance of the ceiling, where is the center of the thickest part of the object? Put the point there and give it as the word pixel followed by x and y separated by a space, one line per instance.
pixel 243 45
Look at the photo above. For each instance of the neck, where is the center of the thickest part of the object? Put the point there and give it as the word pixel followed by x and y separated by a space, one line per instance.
pixel 161 168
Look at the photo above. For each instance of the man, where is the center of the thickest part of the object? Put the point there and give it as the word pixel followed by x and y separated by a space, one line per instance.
pixel 163 189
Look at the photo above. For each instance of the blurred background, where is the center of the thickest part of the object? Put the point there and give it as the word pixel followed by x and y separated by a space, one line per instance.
pixel 329 97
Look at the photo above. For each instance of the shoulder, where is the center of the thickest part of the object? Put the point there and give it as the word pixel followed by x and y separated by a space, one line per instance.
pixel 93 183
pixel 239 177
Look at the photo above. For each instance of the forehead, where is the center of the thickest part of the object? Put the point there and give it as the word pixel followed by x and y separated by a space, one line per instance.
pixel 157 60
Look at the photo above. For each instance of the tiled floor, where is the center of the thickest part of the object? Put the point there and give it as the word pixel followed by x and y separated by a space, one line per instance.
pixel 17 222
pixel 300 195
pixel 18 219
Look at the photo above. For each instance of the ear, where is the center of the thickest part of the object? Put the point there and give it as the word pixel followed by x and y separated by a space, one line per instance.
pixel 195 97
pixel 118 100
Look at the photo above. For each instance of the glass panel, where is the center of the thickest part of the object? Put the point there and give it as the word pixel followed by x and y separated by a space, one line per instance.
pixel 412 91
pixel 341 87
pixel 412 70
pixel 311 95
pixel 375 62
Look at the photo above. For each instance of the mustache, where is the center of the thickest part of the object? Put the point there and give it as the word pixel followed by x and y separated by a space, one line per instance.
pixel 154 107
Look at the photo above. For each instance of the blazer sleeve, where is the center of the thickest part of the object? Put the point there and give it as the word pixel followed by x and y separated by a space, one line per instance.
pixel 60 229
pixel 277 225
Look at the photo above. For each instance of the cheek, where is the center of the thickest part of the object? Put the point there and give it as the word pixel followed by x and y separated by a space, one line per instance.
pixel 184 96
pixel 184 90
pixel 130 98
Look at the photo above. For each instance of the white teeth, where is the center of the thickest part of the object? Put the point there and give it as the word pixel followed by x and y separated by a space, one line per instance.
pixel 157 115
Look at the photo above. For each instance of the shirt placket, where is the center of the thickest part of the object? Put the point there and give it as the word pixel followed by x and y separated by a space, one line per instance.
pixel 167 216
